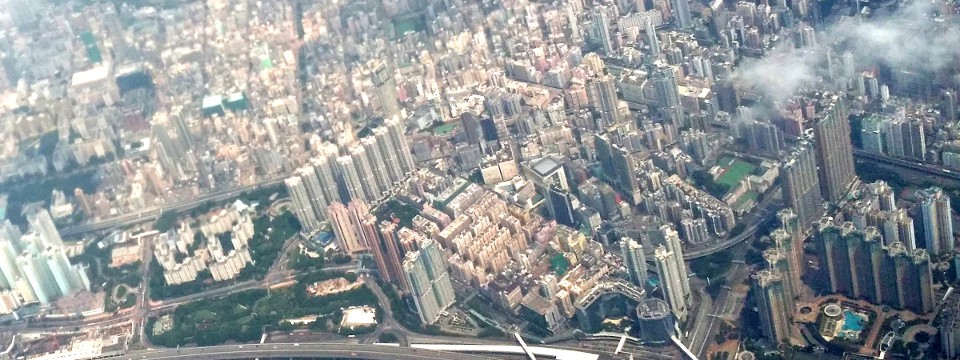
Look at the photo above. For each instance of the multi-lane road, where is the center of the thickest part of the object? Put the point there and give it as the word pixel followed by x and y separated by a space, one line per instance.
pixel 107 320
pixel 703 332
pixel 925 168
pixel 154 213
pixel 758 217
pixel 297 350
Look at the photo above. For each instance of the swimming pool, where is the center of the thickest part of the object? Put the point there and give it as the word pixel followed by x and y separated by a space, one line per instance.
pixel 852 321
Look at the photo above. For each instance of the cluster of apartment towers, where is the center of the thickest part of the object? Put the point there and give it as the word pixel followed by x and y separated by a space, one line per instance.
pixel 866 247
pixel 362 171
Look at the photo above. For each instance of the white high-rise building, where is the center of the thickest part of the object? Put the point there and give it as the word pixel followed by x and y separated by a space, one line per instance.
pixel 390 153
pixel 652 41
pixel 681 13
pixel 378 165
pixel 311 183
pixel 38 276
pixel 302 208
pixel 426 272
pixel 937 220
pixel 34 264
pixel 351 178
pixel 41 223
pixel 398 144
pixel 635 261
pixel 325 165
pixel 674 284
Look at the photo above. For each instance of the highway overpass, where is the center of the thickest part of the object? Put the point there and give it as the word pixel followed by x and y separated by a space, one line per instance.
pixel 153 213
pixel 912 165
pixel 351 351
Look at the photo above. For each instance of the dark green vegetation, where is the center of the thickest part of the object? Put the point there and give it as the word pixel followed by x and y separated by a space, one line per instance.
pixel 109 306
pixel 559 264
pixel 712 266
pixel 395 209
pixel 705 180
pixel 244 316
pixel 302 262
pixel 165 221
pixel 268 239
pixel 388 338
pixel 104 277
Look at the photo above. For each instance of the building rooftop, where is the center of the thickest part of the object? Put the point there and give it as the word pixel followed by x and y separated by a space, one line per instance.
pixel 544 166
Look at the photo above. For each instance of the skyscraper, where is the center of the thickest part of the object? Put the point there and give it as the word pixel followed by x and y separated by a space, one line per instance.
pixel 601 26
pixel 9 272
pixel 779 262
pixel 391 153
pixel 302 207
pixel 834 149
pixel 937 220
pixel 681 13
pixel 386 87
pixel 366 172
pixel 378 163
pixel 347 225
pixel 602 96
pixel 857 264
pixel 397 144
pixel 652 41
pixel 426 271
pixel 317 197
pixel 388 255
pixel 325 166
pixel 898 227
pixel 635 261
pixel 792 250
pixel 773 304
pixel 352 180
pixel 561 206
pixel 673 277
pixel 914 279
pixel 382 245
pixel 834 256
pixel 667 95
pixel 801 185
pixel 35 264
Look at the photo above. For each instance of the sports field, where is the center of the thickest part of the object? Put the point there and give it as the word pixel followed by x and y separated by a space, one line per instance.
pixel 734 172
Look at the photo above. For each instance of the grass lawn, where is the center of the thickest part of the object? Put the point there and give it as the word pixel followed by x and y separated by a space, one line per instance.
pixel 401 26
pixel 560 264
pixel 745 198
pixel 735 172
pixel 444 129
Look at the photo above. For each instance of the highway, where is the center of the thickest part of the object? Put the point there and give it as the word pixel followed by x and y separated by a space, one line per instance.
pixel 925 168
pixel 297 350
pixel 154 213
pixel 703 331
pixel 107 320
pixel 755 219
pixel 389 325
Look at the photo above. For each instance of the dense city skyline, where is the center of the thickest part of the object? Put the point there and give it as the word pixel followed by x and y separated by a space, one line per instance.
pixel 583 179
